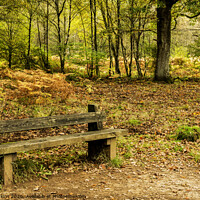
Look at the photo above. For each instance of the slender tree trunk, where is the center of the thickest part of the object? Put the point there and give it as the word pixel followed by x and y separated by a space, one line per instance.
pixel 10 46
pixel 117 70
pixel 61 29
pixel 113 43
pixel 137 56
pixel 106 19
pixel 131 56
pixel 42 55
pixel 44 38
pixel 69 25
pixel 91 66
pixel 131 38
pixel 110 56
pixel 60 44
pixel 47 38
pixel 84 37
pixel 29 41
pixel 10 57
pixel 95 39
pixel 124 57
pixel 128 64
pixel 64 37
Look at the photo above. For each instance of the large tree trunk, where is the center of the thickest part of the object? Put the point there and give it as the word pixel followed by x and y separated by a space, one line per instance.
pixel 163 43
pixel 163 39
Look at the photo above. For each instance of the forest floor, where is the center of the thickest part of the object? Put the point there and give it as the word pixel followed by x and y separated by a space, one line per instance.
pixel 151 162
pixel 129 182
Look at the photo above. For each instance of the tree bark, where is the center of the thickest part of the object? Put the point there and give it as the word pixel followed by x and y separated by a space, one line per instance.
pixel 62 34
pixel 10 57
pixel 47 38
pixel 91 66
pixel 95 39
pixel 29 40
pixel 163 39
pixel 105 11
pixel 116 55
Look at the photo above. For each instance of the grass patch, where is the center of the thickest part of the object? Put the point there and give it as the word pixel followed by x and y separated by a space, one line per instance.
pixel 191 134
pixel 134 122
pixel 178 148
pixel 117 162
pixel 44 163
pixel 196 155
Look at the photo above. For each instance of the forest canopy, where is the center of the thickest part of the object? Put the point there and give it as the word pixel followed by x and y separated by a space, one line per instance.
pixel 130 37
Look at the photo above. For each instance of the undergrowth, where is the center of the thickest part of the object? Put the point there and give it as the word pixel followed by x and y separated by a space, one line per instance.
pixel 188 133
pixel 44 163
pixel 35 87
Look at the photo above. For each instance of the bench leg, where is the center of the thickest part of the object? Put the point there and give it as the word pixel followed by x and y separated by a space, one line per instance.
pixel 105 146
pixel 7 168
pixel 112 148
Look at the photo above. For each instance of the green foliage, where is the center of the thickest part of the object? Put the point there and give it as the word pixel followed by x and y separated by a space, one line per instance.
pixel 134 122
pixel 195 155
pixel 116 162
pixel 179 51
pixel 12 45
pixel 44 41
pixel 75 73
pixel 1 183
pixel 27 168
pixel 178 148
pixel 82 56
pixel 125 145
pixel 45 163
pixel 195 48
pixel 188 133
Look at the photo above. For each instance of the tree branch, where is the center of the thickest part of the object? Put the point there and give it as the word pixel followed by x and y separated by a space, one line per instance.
pixel 63 5
pixel 191 17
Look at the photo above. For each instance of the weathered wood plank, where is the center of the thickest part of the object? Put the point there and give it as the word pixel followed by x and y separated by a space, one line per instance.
pixel 49 122
pixel 41 143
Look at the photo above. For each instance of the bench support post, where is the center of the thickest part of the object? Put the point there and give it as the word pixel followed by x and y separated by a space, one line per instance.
pixel 105 147
pixel 96 125
pixel 7 168
pixel 111 143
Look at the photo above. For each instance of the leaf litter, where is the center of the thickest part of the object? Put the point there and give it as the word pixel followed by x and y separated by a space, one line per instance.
pixel 155 165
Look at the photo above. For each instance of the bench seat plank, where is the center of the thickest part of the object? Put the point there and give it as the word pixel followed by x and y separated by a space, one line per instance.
pixel 7 126
pixel 40 143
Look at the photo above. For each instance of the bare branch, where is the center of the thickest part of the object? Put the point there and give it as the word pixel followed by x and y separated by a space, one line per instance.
pixel 191 17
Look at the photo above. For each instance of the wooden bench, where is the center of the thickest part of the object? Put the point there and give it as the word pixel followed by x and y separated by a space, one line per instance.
pixel 99 140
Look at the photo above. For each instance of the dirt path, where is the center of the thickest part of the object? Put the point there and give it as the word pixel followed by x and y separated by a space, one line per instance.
pixel 130 182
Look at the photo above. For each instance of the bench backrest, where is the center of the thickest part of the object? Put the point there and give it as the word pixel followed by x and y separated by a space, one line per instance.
pixel 49 122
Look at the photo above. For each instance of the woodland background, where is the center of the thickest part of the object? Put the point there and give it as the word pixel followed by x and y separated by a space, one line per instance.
pixel 56 56
pixel 122 35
